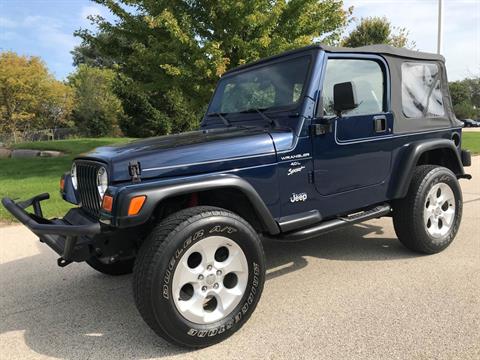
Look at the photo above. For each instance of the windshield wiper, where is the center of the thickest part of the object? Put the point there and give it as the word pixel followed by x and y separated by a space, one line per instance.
pixel 221 116
pixel 260 111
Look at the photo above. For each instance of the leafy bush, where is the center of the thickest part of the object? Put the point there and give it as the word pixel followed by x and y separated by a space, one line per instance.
pixel 97 109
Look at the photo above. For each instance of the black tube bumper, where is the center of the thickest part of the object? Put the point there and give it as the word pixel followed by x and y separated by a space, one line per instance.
pixel 69 237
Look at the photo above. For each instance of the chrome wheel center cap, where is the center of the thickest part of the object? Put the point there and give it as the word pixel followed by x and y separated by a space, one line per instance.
pixel 210 280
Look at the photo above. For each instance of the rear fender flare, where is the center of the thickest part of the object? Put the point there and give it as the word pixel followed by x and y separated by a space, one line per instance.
pixel 409 157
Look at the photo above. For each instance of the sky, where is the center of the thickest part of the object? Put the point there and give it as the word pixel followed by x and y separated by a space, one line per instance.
pixel 45 28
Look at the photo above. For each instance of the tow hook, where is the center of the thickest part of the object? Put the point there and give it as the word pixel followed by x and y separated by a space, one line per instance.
pixel 66 259
pixel 62 262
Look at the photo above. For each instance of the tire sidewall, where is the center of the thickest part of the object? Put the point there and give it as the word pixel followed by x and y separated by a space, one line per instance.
pixel 166 313
pixel 434 177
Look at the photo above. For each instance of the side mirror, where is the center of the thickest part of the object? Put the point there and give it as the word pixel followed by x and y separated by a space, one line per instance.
pixel 344 97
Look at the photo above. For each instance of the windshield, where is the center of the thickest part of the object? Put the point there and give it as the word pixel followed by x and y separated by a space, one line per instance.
pixel 276 85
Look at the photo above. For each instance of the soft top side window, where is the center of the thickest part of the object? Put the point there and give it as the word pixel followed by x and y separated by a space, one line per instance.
pixel 421 90
pixel 368 79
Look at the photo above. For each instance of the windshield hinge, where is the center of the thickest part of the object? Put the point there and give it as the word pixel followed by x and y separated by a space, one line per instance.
pixel 135 170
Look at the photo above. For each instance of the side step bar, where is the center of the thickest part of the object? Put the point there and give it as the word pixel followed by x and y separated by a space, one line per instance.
pixel 330 225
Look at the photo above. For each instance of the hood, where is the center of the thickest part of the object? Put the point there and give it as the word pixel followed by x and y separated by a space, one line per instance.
pixel 189 153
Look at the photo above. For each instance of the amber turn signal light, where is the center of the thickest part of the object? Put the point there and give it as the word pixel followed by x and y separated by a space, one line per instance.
pixel 62 184
pixel 107 203
pixel 136 205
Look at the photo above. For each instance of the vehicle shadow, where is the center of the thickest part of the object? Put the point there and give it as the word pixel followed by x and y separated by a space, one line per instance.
pixel 76 313
pixel 348 244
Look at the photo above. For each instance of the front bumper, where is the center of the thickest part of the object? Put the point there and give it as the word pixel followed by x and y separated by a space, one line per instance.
pixel 69 237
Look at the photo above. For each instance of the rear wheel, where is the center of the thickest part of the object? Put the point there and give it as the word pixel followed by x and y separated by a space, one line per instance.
pixel 428 218
pixel 199 275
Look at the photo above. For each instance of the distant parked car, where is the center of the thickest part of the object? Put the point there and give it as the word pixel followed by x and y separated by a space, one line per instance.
pixel 471 123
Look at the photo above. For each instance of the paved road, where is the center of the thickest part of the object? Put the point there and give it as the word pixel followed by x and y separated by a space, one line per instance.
pixel 353 294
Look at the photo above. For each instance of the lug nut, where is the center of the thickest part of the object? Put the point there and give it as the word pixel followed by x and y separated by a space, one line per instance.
pixel 200 277
pixel 219 272
pixel 215 286
pixel 209 267
pixel 204 288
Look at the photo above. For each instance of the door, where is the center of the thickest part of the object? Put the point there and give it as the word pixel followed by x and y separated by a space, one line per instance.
pixel 354 155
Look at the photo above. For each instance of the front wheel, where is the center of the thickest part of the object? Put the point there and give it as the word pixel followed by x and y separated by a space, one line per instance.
pixel 428 218
pixel 199 276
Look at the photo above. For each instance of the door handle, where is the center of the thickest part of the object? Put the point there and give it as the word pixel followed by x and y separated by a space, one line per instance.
pixel 380 123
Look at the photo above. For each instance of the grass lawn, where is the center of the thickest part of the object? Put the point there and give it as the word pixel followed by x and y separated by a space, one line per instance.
pixel 24 178
pixel 471 141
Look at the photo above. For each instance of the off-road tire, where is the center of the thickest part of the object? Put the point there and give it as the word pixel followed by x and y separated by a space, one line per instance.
pixel 121 267
pixel 157 262
pixel 408 213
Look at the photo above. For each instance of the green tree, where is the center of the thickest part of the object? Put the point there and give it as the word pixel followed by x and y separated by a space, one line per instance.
pixel 377 30
pixel 56 108
pixel 466 98
pixel 89 55
pixel 30 97
pixel 170 54
pixel 473 85
pixel 97 109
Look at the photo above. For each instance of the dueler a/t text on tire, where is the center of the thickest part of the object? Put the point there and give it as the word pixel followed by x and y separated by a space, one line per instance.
pixel 429 217
pixel 199 276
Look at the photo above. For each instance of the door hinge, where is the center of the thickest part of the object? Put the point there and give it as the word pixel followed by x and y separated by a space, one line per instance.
pixel 311 178
pixel 320 129
pixel 135 170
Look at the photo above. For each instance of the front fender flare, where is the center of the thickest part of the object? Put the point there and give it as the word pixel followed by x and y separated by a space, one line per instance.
pixel 160 190
pixel 408 159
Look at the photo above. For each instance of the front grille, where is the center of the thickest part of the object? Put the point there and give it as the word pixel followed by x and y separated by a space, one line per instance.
pixel 87 186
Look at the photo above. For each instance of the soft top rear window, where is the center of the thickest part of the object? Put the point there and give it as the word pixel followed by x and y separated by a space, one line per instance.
pixel 421 90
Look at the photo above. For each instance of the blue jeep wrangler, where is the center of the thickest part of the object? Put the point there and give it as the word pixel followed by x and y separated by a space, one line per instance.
pixel 291 147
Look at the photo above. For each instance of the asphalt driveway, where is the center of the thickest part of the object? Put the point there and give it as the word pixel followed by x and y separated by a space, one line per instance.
pixel 353 294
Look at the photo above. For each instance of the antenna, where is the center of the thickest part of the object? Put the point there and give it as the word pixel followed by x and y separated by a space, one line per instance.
pixel 440 24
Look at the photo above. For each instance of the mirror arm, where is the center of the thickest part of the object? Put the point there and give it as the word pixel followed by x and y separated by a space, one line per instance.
pixel 325 120
pixel 321 126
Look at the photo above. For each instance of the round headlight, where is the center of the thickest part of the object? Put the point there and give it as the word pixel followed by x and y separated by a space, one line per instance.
pixel 73 175
pixel 102 181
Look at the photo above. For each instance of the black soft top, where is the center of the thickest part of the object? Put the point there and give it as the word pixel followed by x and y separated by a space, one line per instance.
pixel 385 50
pixel 380 49
pixel 395 58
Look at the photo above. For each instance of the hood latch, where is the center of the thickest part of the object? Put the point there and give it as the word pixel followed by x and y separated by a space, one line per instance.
pixel 135 170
